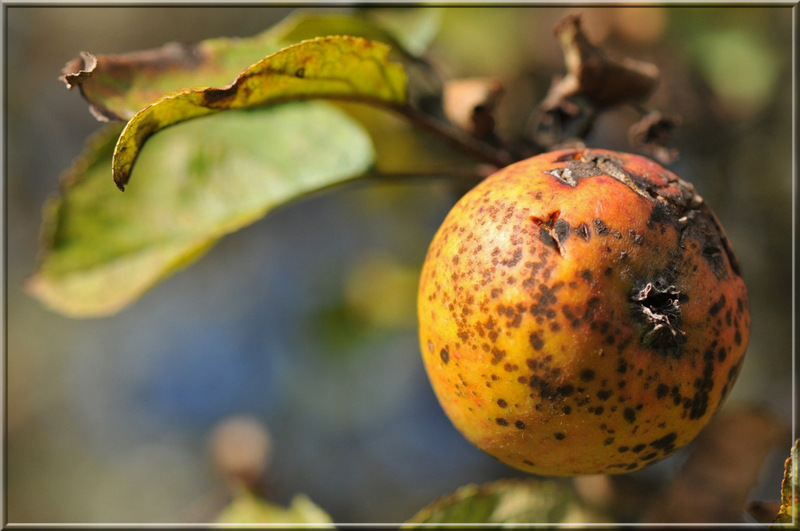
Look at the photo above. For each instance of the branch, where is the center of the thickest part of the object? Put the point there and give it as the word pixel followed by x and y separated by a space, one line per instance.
pixel 456 137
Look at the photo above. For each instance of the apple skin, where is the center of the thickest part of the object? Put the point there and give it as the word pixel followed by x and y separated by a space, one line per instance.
pixel 582 312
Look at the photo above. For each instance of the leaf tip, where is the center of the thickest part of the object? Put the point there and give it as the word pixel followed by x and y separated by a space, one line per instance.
pixel 77 70
pixel 119 174
pixel 121 166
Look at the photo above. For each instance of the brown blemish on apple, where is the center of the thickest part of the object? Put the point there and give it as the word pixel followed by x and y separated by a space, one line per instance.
pixel 552 230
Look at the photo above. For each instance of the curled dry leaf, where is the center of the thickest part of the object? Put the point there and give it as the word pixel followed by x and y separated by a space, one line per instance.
pixel 75 73
pixel 591 73
pixel 78 70
pixel 117 86
pixel 593 82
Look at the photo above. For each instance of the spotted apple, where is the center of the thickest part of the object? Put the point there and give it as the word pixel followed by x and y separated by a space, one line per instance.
pixel 582 312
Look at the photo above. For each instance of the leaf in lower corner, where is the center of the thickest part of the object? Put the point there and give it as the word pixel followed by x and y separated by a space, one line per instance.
pixel 249 509
pixel 340 67
pixel 507 501
pixel 199 181
pixel 788 512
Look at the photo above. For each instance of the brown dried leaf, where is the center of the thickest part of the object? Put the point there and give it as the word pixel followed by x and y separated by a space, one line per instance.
pixel 591 73
pixel 118 86
pixel 593 82
pixel 78 70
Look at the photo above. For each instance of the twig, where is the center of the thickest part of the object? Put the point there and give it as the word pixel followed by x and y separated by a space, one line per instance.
pixel 456 137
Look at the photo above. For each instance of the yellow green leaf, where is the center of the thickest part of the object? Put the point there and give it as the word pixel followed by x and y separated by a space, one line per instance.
pixel 199 181
pixel 339 67
pixel 250 509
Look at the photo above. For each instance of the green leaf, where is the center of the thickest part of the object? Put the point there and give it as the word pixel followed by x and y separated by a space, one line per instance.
pixel 197 182
pixel 412 29
pixel 327 67
pixel 788 513
pixel 408 31
pixel 507 501
pixel 250 509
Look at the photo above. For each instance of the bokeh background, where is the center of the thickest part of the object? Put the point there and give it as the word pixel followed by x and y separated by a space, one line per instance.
pixel 305 322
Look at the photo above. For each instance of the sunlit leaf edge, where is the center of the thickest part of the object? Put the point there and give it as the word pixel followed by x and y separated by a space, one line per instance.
pixel 302 71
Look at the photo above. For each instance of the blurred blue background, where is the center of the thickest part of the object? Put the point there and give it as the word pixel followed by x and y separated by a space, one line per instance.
pixel 306 320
